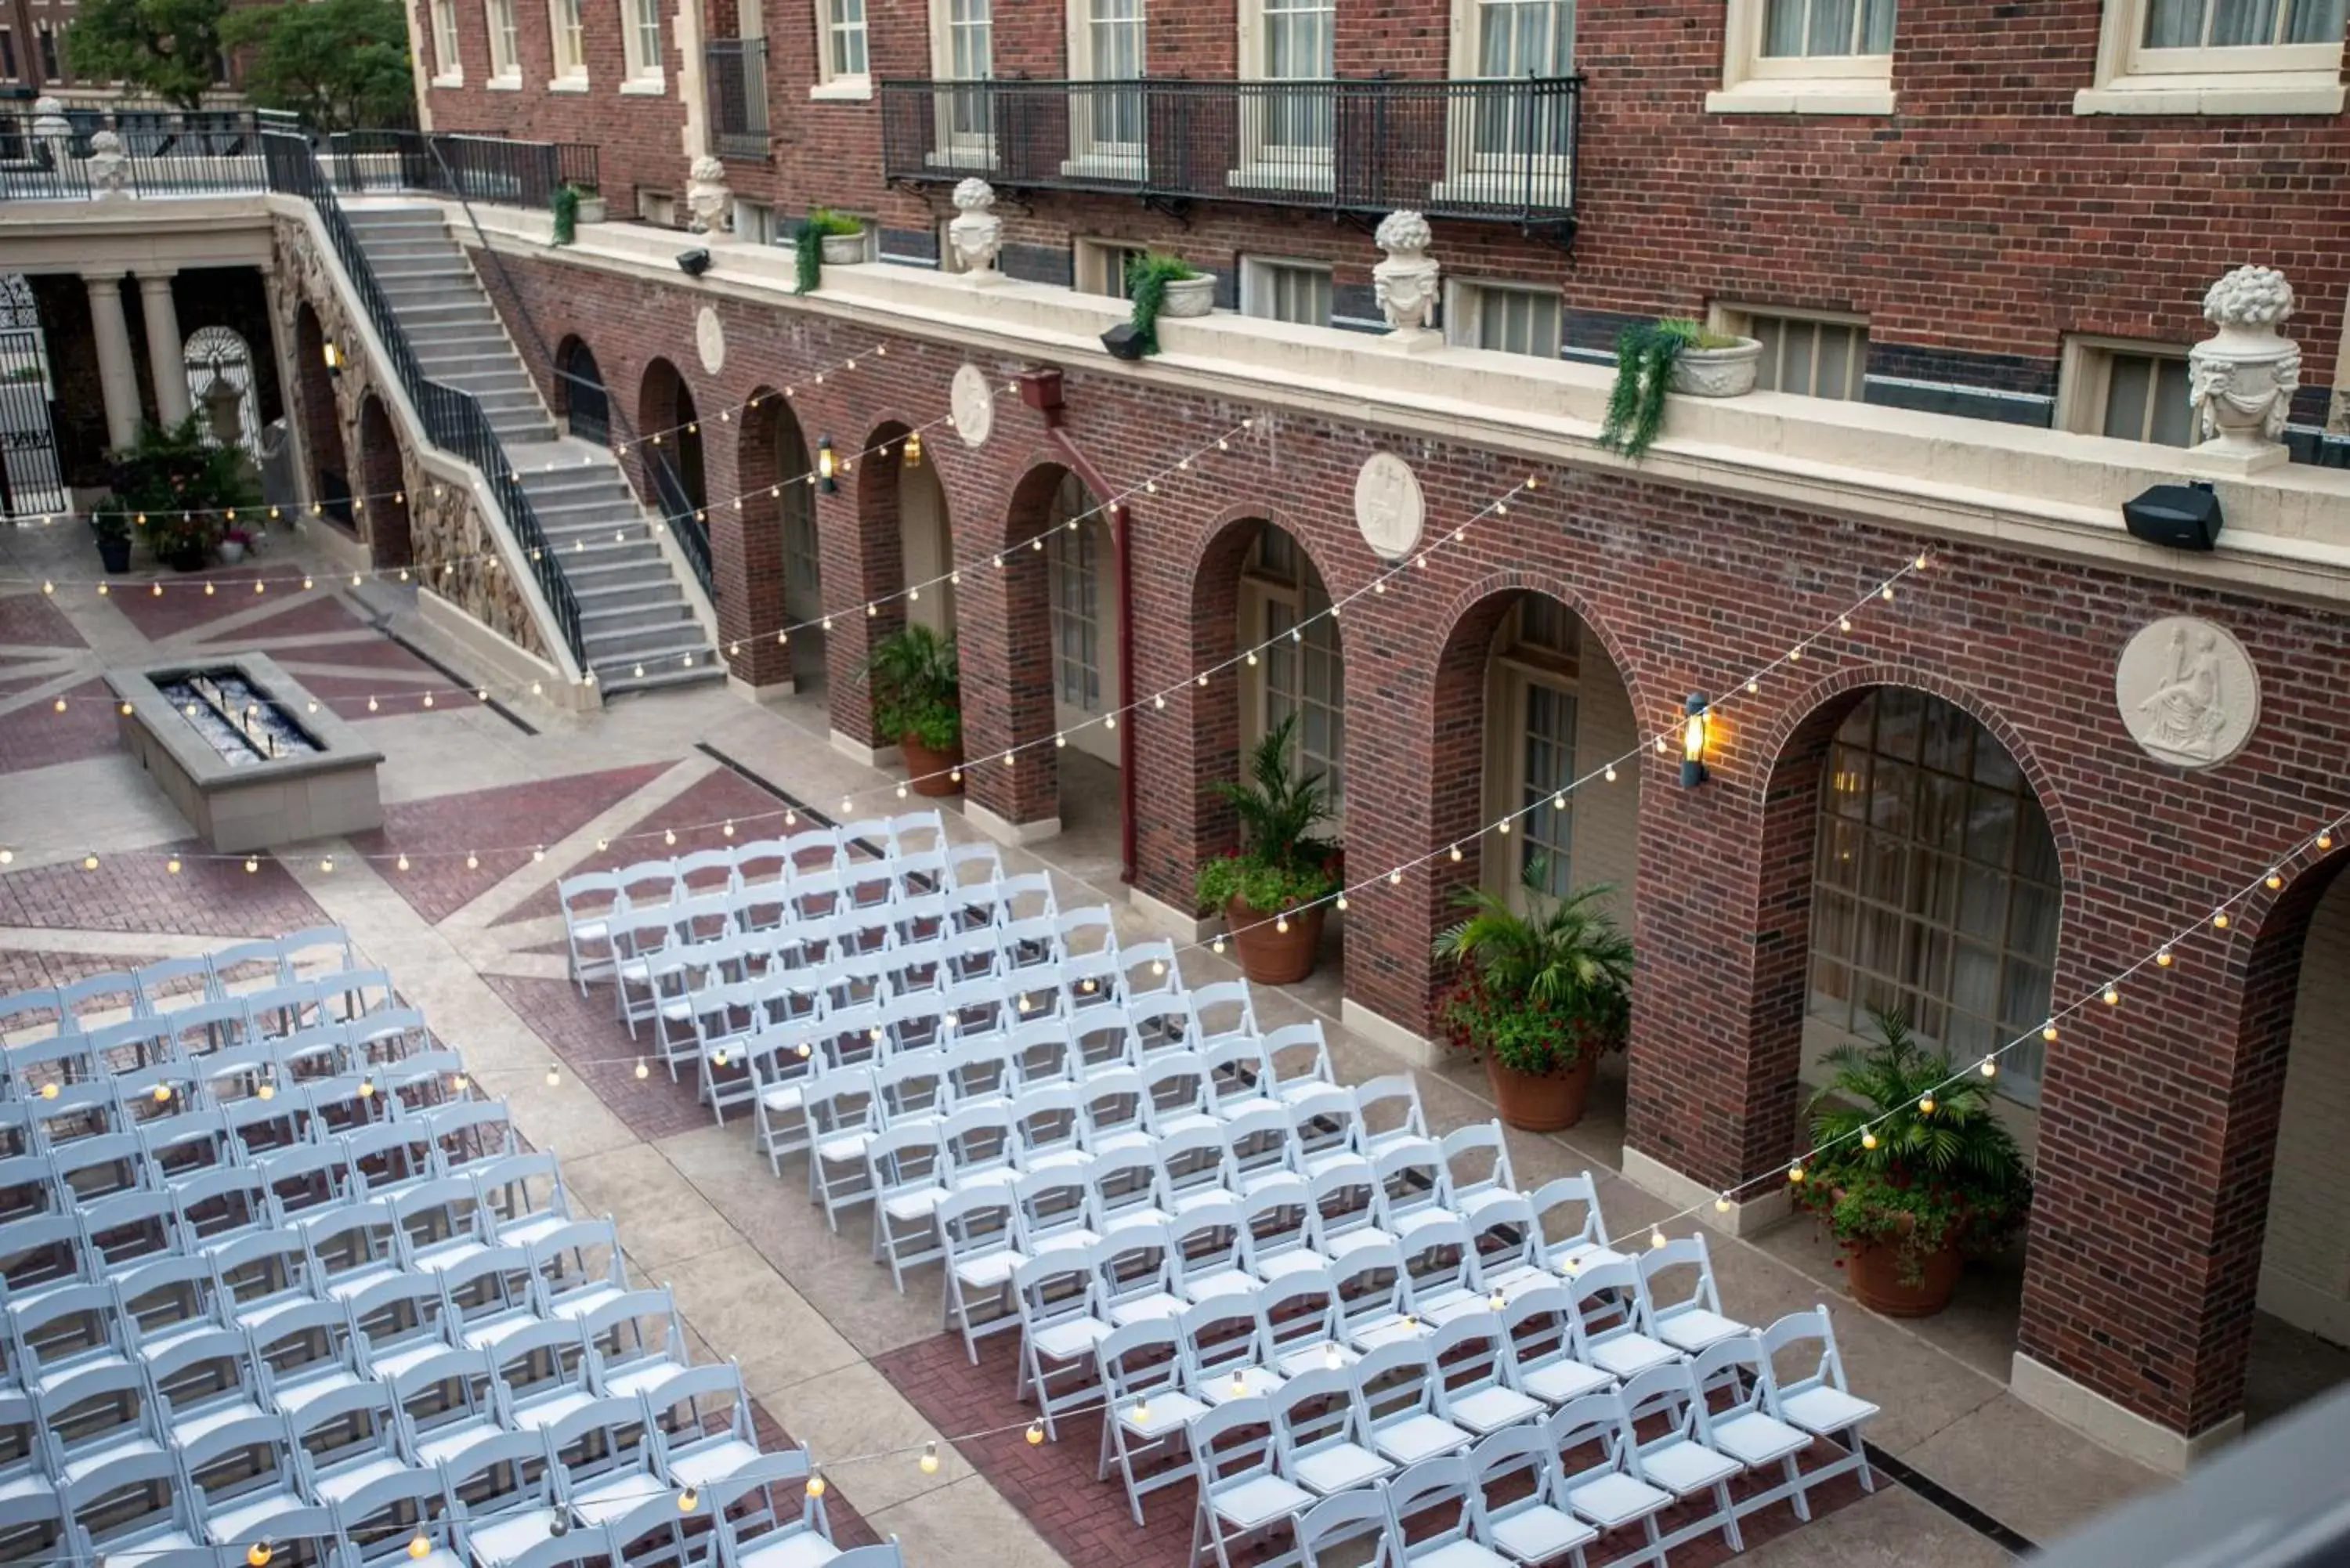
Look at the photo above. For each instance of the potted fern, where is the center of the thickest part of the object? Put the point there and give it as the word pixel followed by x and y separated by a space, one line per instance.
pixel 1159 284
pixel 182 487
pixel 1273 891
pixel 825 238
pixel 1671 354
pixel 1541 996
pixel 917 680
pixel 1916 1170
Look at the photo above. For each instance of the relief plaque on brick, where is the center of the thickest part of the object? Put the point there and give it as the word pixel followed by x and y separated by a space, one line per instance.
pixel 1388 508
pixel 709 338
pixel 973 404
pixel 2188 691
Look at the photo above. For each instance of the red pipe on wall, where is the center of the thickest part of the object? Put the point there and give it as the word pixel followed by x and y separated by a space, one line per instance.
pixel 1040 391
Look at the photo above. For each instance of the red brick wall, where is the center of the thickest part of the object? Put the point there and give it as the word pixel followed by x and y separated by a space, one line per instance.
pixel 1984 218
pixel 2157 1118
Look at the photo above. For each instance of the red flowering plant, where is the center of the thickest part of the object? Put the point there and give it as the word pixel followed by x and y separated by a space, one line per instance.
pixel 1538 992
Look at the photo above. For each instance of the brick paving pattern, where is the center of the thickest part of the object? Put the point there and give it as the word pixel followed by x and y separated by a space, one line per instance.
pixel 723 794
pixel 30 620
pixel 38 736
pixel 438 832
pixel 354 653
pixel 136 892
pixel 593 1046
pixel 184 605
pixel 311 611
pixel 27 969
pixel 1054 1486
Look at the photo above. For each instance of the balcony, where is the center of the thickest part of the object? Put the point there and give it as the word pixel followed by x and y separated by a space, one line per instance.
pixel 1500 151
pixel 736 72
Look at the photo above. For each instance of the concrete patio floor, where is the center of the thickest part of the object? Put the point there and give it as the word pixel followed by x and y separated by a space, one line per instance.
pixel 758 1276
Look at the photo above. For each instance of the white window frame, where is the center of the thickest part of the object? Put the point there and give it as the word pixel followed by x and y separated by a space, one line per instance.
pixel 1465 301
pixel 1263 592
pixel 1756 83
pixel 951 61
pixel 755 221
pixel 1265 161
pixel 502 27
pixel 835 33
pixel 1088 549
pixel 1739 320
pixel 1516 668
pixel 1470 174
pixel 1098 264
pixel 1257 287
pixel 643 55
pixel 1088 153
pixel 567 33
pixel 2284 78
pixel 2085 381
pixel 448 63
pixel 656 207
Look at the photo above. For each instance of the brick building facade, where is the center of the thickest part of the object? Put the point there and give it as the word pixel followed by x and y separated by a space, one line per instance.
pixel 2004 218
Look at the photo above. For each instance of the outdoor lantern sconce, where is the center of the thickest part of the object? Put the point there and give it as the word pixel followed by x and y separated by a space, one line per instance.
pixel 334 358
pixel 913 449
pixel 1694 728
pixel 826 467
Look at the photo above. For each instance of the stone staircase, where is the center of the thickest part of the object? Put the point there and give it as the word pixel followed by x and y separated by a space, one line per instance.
pixel 636 620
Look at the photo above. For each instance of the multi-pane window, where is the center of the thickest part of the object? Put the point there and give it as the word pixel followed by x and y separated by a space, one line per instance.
pixel 2144 397
pixel 505 40
pixel 844 38
pixel 1113 41
pixel 803 567
pixel 2241 23
pixel 1801 354
pixel 1287 610
pixel 1075 558
pixel 444 37
pixel 1286 291
pixel 1101 266
pixel 969 56
pixel 1535 714
pixel 1545 768
pixel 51 68
pixel 1506 319
pixel 570 39
pixel 1519 38
pixel 644 37
pixel 7 54
pixel 1297 49
pixel 1813 29
pixel 1934 888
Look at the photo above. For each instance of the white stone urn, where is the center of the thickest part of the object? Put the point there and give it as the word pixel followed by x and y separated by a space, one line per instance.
pixel 2240 380
pixel 593 209
pixel 50 121
pixel 110 170
pixel 976 234
pixel 231 551
pixel 1406 283
pixel 844 250
pixel 708 197
pixel 1717 373
pixel 1188 297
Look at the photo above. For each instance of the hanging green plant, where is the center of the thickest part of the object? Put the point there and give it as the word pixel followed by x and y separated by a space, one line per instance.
pixel 807 244
pixel 1644 374
pixel 566 214
pixel 1146 277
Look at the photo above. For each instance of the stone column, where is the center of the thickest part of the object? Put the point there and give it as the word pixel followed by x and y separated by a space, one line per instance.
pixel 118 375
pixel 165 350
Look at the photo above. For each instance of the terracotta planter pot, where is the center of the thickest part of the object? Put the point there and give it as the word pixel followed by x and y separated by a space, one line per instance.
pixel 1547 1102
pixel 1874 1275
pixel 932 772
pixel 1269 955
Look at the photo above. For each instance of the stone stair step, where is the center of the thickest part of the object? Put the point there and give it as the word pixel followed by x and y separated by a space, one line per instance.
pixel 620 686
pixel 606 592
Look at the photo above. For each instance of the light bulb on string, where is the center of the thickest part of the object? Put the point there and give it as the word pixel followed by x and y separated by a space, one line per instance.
pixel 1990 1067
pixel 2163 959
pixel 644 1069
pixel 929 1463
pixel 2275 880
pixel 2113 995
pixel 1925 1105
pixel 1868 1141
pixel 554 1075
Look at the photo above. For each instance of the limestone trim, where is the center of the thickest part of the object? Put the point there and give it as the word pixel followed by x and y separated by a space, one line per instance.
pixel 2127 1433
pixel 1745 1217
pixel 1005 831
pixel 2134 78
pixel 1756 83
pixel 1396 1039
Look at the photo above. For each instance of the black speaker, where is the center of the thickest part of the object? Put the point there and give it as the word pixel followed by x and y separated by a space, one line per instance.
pixel 1123 341
pixel 693 264
pixel 2182 516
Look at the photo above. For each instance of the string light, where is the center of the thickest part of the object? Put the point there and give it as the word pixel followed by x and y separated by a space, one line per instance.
pixel 929 1462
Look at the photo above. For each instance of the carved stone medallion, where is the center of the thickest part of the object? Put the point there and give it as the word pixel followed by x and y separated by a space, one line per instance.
pixel 973 403
pixel 1388 507
pixel 710 337
pixel 2188 691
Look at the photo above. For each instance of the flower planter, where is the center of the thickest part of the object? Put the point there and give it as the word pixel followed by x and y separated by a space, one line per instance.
pixel 1717 373
pixel 1188 297
pixel 1873 1273
pixel 185 557
pixel 847 250
pixel 1542 1102
pixel 930 773
pixel 114 553
pixel 232 551
pixel 1269 955
pixel 592 210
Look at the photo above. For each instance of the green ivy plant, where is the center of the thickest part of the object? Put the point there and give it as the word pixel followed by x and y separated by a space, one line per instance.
pixel 566 214
pixel 807 244
pixel 1924 1180
pixel 1146 277
pixel 1644 374
pixel 917 680
pixel 1282 862
pixel 1541 990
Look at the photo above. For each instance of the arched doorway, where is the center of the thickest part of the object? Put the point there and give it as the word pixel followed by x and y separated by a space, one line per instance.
pixel 781 571
pixel 1284 607
pixel 670 443
pixel 219 368
pixel 383 519
pixel 322 431
pixel 1081 568
pixel 926 539
pixel 579 394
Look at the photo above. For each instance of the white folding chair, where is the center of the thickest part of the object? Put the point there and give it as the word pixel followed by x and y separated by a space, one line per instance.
pixel 1325 1436
pixel 1176 1086
pixel 1438 1516
pixel 1237 1075
pixel 1210 1253
pixel 589 901
pixel 1688 1323
pixel 1542 1329
pixel 1415 1189
pixel 1113 1109
pixel 1739 1427
pixel 1346 1207
pixel 1472 1359
pixel 843 1115
pixel 1241 1495
pixel 1573 1234
pixel 1612 1324
pixel 979 1236
pixel 1048 1129
pixel 1300 1060
pixel 1351 1528
pixel 1600 1477
pixel 1374 1295
pixel 906 1165
pixel 1054 1207
pixel 1145 1410
pixel 1388 1109
pixel 1534 1524
pixel 1134 1275
pixel 1226 1354
pixel 1818 1401
pixel 1677 1457
pixel 1059 1331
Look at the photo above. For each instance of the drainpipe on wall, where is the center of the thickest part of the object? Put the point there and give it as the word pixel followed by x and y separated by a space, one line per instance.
pixel 1040 391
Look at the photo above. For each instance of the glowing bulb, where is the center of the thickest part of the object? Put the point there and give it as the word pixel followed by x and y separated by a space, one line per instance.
pixel 2275 880
pixel 1721 1204
pixel 1561 801
pixel 2112 996
pixel 49 1091
pixel 929 1463
pixel 1141 1412
pixel 1395 878
pixel 1656 1239
pixel 420 1546
pixel 327 863
pixel 1498 1300
pixel 1795 1171
pixel 1216 946
pixel 2219 920
pixel 1331 1357
pixel 1456 855
pixel 473 861
pixel 2162 960
pixel 1990 1068
pixel 1239 1384
pixel 687 1501
pixel 1281 923
pixel 258 1554
pixel 251 864
pixel 1868 1141
pixel 401 864
pixel 90 862
pixel 669 835
pixel 59 704
pixel 1845 624
pixel 815 1485
pixel 2048 1032
pixel 1925 1105
pixel 1342 901
pixel 644 1069
pixel 267 1089
pixel 367 1089
pixel 372 705
pixel 554 1075
pixel 2325 841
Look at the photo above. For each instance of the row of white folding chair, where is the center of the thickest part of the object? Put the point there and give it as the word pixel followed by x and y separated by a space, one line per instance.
pixel 169 985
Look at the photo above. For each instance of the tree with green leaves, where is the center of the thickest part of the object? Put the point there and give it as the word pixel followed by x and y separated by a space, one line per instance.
pixel 172 49
pixel 340 64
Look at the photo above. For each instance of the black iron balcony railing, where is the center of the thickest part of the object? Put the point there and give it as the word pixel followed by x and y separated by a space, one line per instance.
pixel 1498 151
pixel 169 151
pixel 492 169
pixel 736 72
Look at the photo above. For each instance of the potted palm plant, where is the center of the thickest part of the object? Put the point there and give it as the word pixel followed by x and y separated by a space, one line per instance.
pixel 916 679
pixel 183 488
pixel 1916 1170
pixel 1542 996
pixel 1273 891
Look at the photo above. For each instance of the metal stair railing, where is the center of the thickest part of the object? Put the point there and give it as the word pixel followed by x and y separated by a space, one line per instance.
pixel 453 419
pixel 684 519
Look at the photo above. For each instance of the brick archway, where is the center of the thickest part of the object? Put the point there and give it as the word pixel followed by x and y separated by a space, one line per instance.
pixel 1006 632
pixel 761 624
pixel 383 517
pixel 331 484
pixel 669 426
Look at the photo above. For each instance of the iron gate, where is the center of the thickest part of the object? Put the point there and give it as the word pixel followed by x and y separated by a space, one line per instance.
pixel 32 481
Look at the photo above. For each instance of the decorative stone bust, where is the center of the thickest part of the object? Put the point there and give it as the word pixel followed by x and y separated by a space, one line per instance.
pixel 2240 381
pixel 976 234
pixel 707 197
pixel 49 118
pixel 1406 282
pixel 109 170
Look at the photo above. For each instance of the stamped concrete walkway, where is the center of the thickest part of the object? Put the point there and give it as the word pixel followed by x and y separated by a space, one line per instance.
pixel 813 1323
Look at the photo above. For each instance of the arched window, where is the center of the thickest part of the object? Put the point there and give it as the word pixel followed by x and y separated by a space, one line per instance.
pixel 1085 617
pixel 1282 595
pixel 1935 886
pixel 220 387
